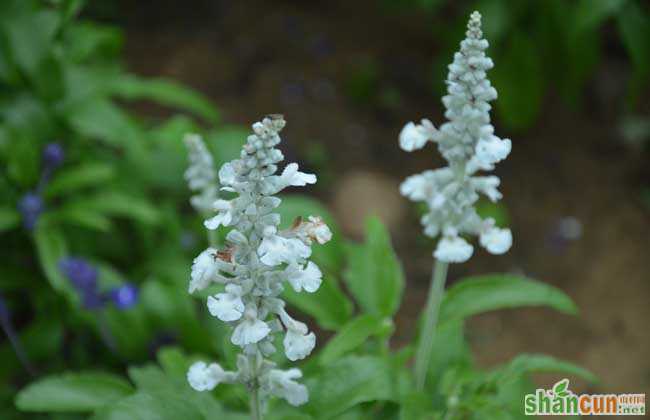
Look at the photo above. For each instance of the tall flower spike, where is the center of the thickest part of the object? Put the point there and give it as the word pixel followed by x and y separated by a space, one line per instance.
pixel 256 261
pixel 200 175
pixel 468 143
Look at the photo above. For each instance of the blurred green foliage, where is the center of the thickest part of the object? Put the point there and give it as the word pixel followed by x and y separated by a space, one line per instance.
pixel 541 44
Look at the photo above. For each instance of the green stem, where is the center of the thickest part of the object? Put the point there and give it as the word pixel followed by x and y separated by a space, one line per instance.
pixel 256 408
pixel 256 403
pixel 213 239
pixel 425 346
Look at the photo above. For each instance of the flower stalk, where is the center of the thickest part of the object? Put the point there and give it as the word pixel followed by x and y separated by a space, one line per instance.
pixel 253 265
pixel 428 331
pixel 468 144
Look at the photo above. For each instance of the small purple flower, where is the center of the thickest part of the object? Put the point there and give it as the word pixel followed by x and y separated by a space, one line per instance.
pixel 91 299
pixel 125 296
pixel 53 155
pixel 30 207
pixel 83 277
pixel 80 273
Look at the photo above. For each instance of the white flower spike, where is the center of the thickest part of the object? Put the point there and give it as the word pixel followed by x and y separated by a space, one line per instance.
pixel 254 264
pixel 468 143
pixel 200 175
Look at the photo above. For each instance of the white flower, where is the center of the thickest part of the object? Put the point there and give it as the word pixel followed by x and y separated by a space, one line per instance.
pixel 292 177
pixel 227 174
pixel 491 150
pixel 488 186
pixel 249 331
pixel 282 384
pixel 227 306
pixel 318 230
pixel 203 377
pixel 223 217
pixel 298 342
pixel 308 278
pixel 417 187
pixel 200 173
pixel 275 250
pixel 496 240
pixel 453 249
pixel 204 270
pixel 413 137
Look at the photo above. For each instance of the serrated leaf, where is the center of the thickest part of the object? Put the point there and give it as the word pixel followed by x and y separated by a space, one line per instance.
pixel 374 274
pixel 72 392
pixel 474 295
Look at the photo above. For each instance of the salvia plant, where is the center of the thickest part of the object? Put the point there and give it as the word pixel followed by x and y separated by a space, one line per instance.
pixel 468 144
pixel 254 264
pixel 241 351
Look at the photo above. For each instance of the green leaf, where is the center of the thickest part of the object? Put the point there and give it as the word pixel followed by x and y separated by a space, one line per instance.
pixel 328 256
pixel 518 77
pixel 541 363
pixel 98 118
pixel 634 27
pixel 171 309
pixel 40 339
pixel 51 248
pixel 590 14
pixel 145 406
pixel 78 216
pixel 72 392
pixel 352 335
pixel 85 39
pixel 450 348
pixel 161 396
pixel 347 382
pixel 83 176
pixel 474 295
pixel 165 92
pixel 9 218
pixel 173 361
pixel 374 274
pixel 114 203
pixel 29 36
pixel 329 306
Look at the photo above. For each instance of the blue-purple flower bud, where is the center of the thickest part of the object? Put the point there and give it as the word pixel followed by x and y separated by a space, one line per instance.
pixel 80 273
pixel 30 207
pixel 53 155
pixel 125 296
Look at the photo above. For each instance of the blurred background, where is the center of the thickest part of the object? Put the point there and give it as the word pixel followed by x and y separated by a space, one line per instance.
pixel 574 96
